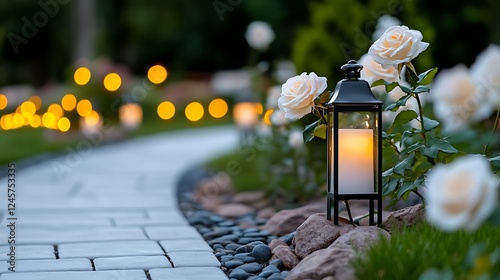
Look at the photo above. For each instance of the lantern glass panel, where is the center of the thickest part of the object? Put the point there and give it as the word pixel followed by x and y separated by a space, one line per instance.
pixel 357 151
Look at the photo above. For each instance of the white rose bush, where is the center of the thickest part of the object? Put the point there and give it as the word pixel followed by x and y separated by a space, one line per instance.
pixel 459 190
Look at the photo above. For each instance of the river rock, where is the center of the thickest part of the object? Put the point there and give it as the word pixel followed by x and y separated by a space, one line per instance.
pixel 325 262
pixel 286 221
pixel 405 217
pixel 360 238
pixel 286 255
pixel 315 233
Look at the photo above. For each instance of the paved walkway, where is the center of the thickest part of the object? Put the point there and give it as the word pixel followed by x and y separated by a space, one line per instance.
pixel 110 212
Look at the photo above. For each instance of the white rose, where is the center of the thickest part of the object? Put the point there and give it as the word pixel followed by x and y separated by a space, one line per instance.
pixel 259 35
pixel 397 45
pixel 486 72
pixel 458 101
pixel 298 94
pixel 461 194
pixel 373 71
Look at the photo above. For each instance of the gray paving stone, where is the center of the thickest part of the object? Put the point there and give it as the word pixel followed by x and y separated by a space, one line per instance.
pixel 48 265
pixel 183 245
pixel 110 249
pixel 166 221
pixel 193 259
pixel 28 252
pixel 135 262
pixel 60 221
pixel 172 232
pixel 188 273
pixel 77 275
pixel 31 235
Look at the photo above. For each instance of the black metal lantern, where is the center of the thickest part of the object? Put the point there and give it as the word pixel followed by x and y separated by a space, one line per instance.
pixel 354 145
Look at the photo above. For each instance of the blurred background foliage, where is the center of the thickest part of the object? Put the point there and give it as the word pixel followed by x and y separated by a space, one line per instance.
pixel 193 37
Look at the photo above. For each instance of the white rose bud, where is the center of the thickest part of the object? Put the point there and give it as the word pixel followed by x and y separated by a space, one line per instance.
pixel 259 35
pixel 397 45
pixel 461 194
pixel 298 94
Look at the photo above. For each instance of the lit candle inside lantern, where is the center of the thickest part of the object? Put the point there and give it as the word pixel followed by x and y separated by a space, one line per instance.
pixel 355 161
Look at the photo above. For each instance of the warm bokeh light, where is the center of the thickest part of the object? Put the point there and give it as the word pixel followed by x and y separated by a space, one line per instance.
pixel 84 107
pixel 157 74
pixel 82 76
pixel 194 111
pixel 130 116
pixel 166 110
pixel 246 113
pixel 267 116
pixel 259 108
pixel 57 110
pixel 37 101
pixel 17 120
pixel 92 118
pixel 217 108
pixel 49 120
pixel 63 124
pixel 28 107
pixel 3 101
pixel 35 121
pixel 112 81
pixel 68 102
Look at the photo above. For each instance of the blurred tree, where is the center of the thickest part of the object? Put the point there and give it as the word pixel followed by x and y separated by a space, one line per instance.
pixel 338 31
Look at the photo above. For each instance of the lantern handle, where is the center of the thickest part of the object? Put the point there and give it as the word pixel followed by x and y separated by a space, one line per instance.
pixel 352 69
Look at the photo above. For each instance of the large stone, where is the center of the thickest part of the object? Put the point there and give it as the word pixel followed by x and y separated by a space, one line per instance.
pixel 360 238
pixel 233 210
pixel 286 255
pixel 323 263
pixel 266 213
pixel 315 233
pixel 405 217
pixel 275 243
pixel 286 221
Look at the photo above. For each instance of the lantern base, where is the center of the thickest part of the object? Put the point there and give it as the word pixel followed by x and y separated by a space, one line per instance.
pixel 332 199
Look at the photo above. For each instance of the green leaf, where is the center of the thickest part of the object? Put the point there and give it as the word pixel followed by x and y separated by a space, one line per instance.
pixel 402 100
pixel 495 162
pixel 427 77
pixel 309 130
pixel 412 148
pixel 390 186
pixel 409 186
pixel 412 77
pixel 444 147
pixel 404 165
pixel 390 107
pixel 320 131
pixel 403 118
pixel 390 86
pixel 324 97
pixel 406 90
pixel 380 82
pixel 421 89
pixel 430 124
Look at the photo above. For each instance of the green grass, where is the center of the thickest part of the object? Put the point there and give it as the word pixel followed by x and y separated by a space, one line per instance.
pixel 412 251
pixel 28 142
pixel 242 171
